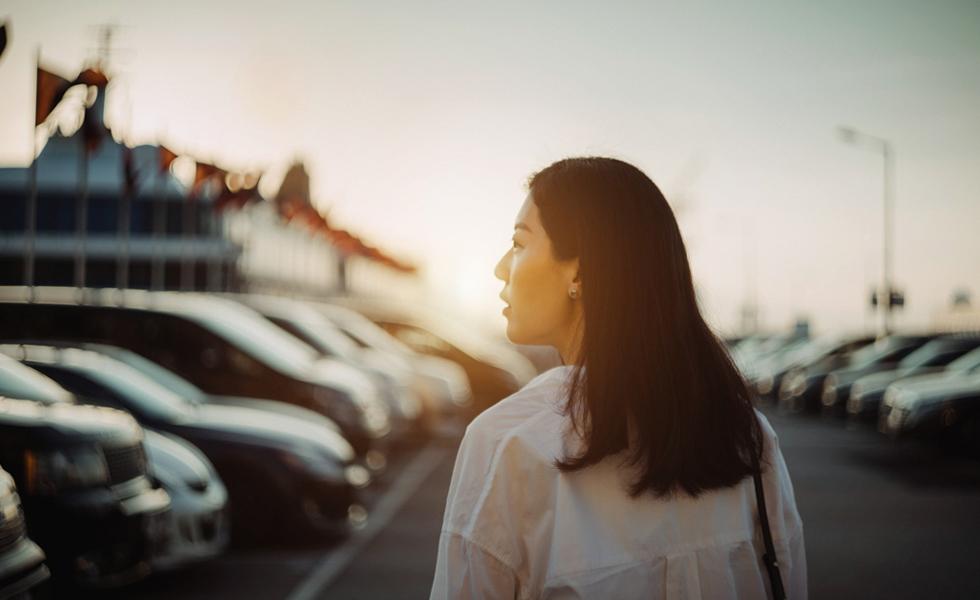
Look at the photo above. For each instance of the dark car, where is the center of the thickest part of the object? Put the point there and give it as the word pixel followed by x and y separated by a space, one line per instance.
pixel 943 406
pixel 494 369
pixel 219 345
pixel 21 560
pixel 306 323
pixel 771 373
pixel 444 386
pixel 802 386
pixel 81 473
pixel 283 475
pixel 195 528
pixel 867 392
pixel 885 355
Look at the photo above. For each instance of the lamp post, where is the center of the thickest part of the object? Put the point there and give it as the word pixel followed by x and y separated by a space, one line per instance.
pixel 884 296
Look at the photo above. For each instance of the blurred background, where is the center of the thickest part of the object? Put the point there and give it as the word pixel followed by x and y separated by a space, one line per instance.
pixel 246 252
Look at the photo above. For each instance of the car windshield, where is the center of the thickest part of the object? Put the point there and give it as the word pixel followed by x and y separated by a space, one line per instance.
pixel 874 352
pixel 966 363
pixel 166 378
pixel 364 331
pixel 921 356
pixel 323 335
pixel 141 394
pixel 253 334
pixel 22 382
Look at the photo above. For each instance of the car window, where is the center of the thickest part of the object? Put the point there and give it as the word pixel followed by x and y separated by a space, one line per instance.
pixel 257 337
pixel 88 390
pixel 323 336
pixel 967 362
pixel 138 394
pixel 164 377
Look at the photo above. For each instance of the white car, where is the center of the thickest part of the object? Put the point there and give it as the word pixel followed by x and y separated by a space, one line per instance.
pixel 197 527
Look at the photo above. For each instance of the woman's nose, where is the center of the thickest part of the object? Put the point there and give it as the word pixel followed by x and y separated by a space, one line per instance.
pixel 502 270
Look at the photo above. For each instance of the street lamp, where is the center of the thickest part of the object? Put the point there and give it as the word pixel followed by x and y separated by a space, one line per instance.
pixel 850 135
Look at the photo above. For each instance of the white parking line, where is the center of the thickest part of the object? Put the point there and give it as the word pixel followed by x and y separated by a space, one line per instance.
pixel 332 565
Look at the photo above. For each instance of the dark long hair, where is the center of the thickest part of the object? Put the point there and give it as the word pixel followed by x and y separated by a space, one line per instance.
pixel 651 379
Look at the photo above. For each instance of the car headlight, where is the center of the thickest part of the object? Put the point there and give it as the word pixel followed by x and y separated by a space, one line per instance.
pixel 889 398
pixel 48 473
pixel 856 390
pixel 795 383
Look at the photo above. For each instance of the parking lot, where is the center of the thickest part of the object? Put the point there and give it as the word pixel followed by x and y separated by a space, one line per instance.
pixel 882 521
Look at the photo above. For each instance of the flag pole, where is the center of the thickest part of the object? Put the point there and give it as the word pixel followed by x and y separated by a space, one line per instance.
pixel 125 206
pixel 81 218
pixel 185 266
pixel 30 228
pixel 158 222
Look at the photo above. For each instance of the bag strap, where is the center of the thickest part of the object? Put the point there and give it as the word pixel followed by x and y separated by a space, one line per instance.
pixel 769 558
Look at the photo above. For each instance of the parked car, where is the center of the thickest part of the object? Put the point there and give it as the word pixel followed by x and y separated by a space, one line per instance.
pixel 444 386
pixel 495 370
pixel 195 527
pixel 284 476
pixel 219 345
pixel 81 474
pixel 885 355
pixel 940 405
pixel 867 392
pixel 753 354
pixel 185 389
pixel 771 371
pixel 21 560
pixel 802 386
pixel 392 382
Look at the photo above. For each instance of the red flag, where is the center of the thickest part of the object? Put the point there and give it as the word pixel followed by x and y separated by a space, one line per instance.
pixel 51 89
pixel 93 130
pixel 167 157
pixel 203 173
pixel 92 77
pixel 3 37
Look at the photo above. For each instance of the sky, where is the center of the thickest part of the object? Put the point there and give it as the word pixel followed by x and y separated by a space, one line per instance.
pixel 420 123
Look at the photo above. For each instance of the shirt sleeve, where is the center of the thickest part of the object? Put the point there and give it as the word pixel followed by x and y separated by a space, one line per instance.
pixel 465 570
pixel 794 580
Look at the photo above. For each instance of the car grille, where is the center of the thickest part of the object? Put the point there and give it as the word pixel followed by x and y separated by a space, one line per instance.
pixel 11 530
pixel 125 463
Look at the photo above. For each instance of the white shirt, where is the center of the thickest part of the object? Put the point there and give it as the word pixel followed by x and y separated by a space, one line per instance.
pixel 517 527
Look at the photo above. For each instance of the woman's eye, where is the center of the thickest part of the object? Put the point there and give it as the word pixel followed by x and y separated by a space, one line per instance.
pixel 514 244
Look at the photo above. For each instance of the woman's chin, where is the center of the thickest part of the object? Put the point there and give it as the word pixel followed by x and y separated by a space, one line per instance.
pixel 516 336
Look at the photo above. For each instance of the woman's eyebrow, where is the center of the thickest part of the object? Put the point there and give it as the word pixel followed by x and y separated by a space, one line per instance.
pixel 521 225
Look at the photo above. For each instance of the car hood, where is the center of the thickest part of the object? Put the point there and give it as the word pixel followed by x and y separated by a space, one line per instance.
pixel 341 375
pixel 390 364
pixel 272 429
pixel 935 387
pixel 845 377
pixel 71 422
pixel 173 458
pixel 447 370
pixel 877 382
pixel 274 406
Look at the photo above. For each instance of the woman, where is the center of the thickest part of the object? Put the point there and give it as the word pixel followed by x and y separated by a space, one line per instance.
pixel 627 471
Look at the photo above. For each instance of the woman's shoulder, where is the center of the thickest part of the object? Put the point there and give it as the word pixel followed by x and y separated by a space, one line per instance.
pixel 540 400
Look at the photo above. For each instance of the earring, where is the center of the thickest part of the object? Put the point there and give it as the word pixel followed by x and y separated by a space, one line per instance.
pixel 573 293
